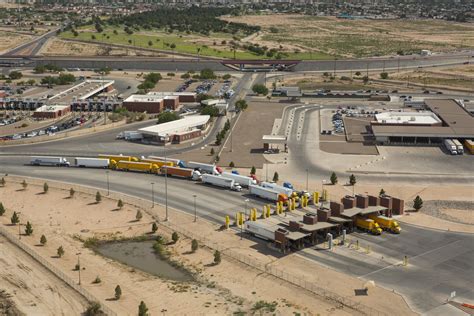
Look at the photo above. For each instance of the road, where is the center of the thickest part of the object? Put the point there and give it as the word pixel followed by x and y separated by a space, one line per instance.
pixel 32 47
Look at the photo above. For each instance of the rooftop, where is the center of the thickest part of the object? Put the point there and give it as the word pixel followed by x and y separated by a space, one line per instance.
pixel 51 108
pixel 418 118
pixel 187 123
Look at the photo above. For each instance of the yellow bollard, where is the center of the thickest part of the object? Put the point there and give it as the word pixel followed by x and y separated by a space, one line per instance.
pixel 294 204
pixel 357 244
pixel 316 198
pixel 237 219
pixel 277 208
pixel 368 249
pixel 227 221
pixel 405 261
pixel 269 211
pixel 264 213
pixel 241 218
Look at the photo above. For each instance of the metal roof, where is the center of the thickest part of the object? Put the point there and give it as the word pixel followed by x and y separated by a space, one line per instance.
pixel 187 123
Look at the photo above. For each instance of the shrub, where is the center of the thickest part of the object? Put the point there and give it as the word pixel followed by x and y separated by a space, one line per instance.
pixel 118 292
pixel 60 251
pixel 154 227
pixel 97 280
pixel 217 257
pixel 384 75
pixel 333 178
pixel 28 229
pixel 15 219
pixel 2 209
pixel 175 237
pixel 43 240
pixel 260 89
pixel 194 245
pixel 98 197
pixel 45 187
pixel 139 215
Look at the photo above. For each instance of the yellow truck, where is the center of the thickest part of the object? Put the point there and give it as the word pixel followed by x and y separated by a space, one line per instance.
pixel 387 223
pixel 113 159
pixel 159 163
pixel 136 166
pixel 368 225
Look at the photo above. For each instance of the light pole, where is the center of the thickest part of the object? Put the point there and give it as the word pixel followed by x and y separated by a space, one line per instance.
pixel 307 178
pixel 195 211
pixel 79 266
pixel 152 195
pixel 108 184
pixel 245 216
pixel 166 187
pixel 322 189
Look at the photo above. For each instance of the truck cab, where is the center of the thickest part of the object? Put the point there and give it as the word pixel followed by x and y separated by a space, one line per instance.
pixel 236 187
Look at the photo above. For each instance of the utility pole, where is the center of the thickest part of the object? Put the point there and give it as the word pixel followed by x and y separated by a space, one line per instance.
pixel 195 210
pixel 79 266
pixel 166 187
pixel 307 178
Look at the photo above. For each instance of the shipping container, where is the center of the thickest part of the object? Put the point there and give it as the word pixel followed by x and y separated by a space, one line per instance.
pixel 181 172
pixel 220 181
pixel 49 161
pixel 242 180
pixel 469 145
pixel 268 194
pixel 136 166
pixel 117 158
pixel 91 162
pixel 258 229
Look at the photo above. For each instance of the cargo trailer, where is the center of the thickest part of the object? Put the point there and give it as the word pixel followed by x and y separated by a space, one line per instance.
pixel 203 167
pixel 450 146
pixel 117 158
pixel 176 162
pixel 159 163
pixel 49 161
pixel 242 180
pixel 91 162
pixel 220 181
pixel 469 145
pixel 181 172
pixel 258 229
pixel 459 147
pixel 368 225
pixel 267 194
pixel 287 191
pixel 136 166
pixel 386 223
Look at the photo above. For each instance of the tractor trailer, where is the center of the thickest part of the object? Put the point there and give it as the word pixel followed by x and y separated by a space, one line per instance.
pixel 242 180
pixel 117 158
pixel 220 181
pixel 91 162
pixel 267 194
pixel 450 146
pixel 159 163
pixel 136 166
pixel 49 161
pixel 459 147
pixel 278 188
pixel 368 225
pixel 181 172
pixel 203 167
pixel 260 230
pixel 386 223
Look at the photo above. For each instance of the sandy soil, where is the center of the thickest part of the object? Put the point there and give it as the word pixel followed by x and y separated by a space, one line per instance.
pixel 357 37
pixel 219 291
pixel 16 127
pixel 33 289
pixel 55 46
pixel 10 40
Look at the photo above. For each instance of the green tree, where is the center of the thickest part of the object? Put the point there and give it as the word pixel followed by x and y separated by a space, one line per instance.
pixel 98 197
pixel 275 177
pixel 206 74
pixel 333 178
pixel 2 209
pixel 383 75
pixel 417 203
pixel 231 164
pixel 194 245
pixel 175 237
pixel 97 280
pixel 382 192
pixel 154 227
pixel 2 182
pixel 167 117
pixel 43 240
pixel 217 158
pixel 217 257
pixel 365 79
pixel 24 184
pixel 45 188
pixel 14 75
pixel 120 204
pixel 357 73
pixel 241 105
pixel 15 219
pixel 139 215
pixel 352 179
pixel 253 170
pixel 226 77
pixel 60 252
pixel 28 229
pixel 93 309
pixel 118 292
pixel 212 151
pixel 71 193
pixel 260 89
pixel 150 43
pixel 142 309
pixel 211 110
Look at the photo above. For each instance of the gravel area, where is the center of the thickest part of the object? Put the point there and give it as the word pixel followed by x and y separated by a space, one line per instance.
pixel 453 211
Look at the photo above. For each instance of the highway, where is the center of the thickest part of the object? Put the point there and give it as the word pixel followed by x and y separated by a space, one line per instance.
pixel 32 47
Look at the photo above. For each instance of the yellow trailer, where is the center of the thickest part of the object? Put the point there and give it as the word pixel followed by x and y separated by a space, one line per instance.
pixel 159 163
pixel 368 225
pixel 136 166
pixel 117 158
pixel 386 223
pixel 469 145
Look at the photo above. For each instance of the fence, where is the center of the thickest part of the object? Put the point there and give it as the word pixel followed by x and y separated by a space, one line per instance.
pixel 275 272
pixel 61 275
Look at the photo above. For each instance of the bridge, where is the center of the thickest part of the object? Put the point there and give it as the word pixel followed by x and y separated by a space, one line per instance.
pixel 260 65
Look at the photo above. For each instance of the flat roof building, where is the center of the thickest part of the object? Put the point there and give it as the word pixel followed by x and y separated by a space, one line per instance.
pixel 51 111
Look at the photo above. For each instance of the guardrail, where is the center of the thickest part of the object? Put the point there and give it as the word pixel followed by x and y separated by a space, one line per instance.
pixel 61 275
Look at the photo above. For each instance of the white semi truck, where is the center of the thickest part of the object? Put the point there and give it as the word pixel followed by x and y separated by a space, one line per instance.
pixel 278 188
pixel 221 182
pixel 242 180
pixel 203 167
pixel 258 229
pixel 267 193
pixel 49 161
pixel 450 146
pixel 459 146
pixel 91 162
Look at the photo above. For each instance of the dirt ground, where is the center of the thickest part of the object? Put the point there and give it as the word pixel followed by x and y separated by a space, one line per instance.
pixel 10 40
pixel 16 127
pixel 222 289
pixel 32 288
pixel 451 78
pixel 357 37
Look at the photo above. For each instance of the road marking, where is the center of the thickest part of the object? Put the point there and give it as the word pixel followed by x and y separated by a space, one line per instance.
pixel 410 258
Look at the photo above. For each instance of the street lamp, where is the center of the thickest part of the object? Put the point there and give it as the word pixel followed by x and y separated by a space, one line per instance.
pixel 322 189
pixel 152 195
pixel 307 176
pixel 245 216
pixel 108 184
pixel 79 266
pixel 195 211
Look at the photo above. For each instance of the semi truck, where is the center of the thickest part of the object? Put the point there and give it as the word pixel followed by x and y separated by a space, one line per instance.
pixel 136 166
pixel 130 135
pixel 159 163
pixel 176 162
pixel 469 145
pixel 278 188
pixel 450 146
pixel 267 194
pixel 91 162
pixel 49 161
pixel 258 229
pixel 368 225
pixel 459 147
pixel 220 181
pixel 203 167
pixel 181 172
pixel 242 180
pixel 386 223
pixel 117 158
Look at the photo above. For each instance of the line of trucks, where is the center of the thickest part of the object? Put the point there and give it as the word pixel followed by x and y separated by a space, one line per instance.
pixel 375 224
pixel 454 146
pixel 209 174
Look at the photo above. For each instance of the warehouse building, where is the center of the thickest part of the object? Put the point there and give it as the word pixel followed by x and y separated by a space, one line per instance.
pixel 51 111
pixel 443 118
pixel 182 130
pixel 184 97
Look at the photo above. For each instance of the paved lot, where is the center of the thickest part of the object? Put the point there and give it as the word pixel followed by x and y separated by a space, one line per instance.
pixel 439 263
pixel 346 148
